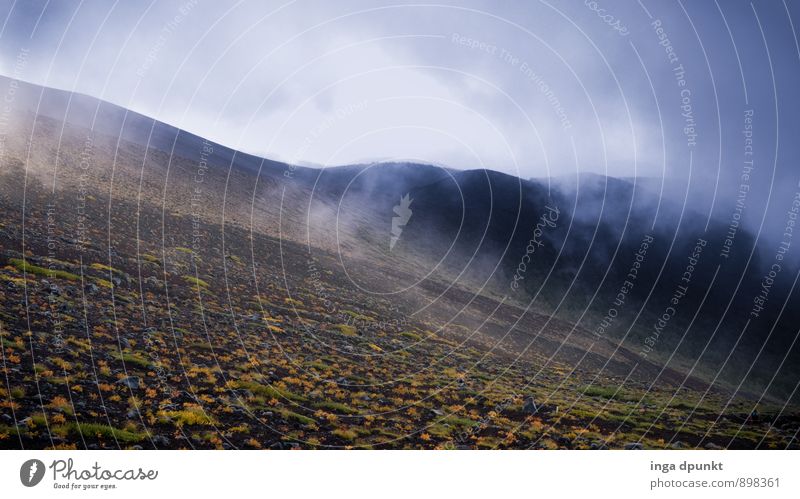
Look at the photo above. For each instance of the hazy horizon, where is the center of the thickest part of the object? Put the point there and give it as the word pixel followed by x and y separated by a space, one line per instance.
pixel 506 87
pixel 366 161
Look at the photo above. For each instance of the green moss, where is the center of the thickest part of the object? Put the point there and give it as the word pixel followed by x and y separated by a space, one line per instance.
pixel 336 407
pixel 7 430
pixel 236 259
pixel 459 421
pixel 16 345
pixel 195 281
pixel 345 434
pixel 105 268
pixel 200 345
pixel 439 430
pixel 38 420
pixel 26 267
pixel 318 365
pixel 346 329
pixel 132 358
pixel 268 391
pixel 150 259
pixel 489 442
pixel 411 336
pixel 358 316
pixel 298 418
pixel 293 302
pixel 191 416
pixel 102 282
pixel 100 431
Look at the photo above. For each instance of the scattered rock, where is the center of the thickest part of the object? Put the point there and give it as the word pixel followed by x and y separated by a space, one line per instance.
pixel 242 394
pixel 152 281
pixel 529 407
pixel 634 446
pixel 131 382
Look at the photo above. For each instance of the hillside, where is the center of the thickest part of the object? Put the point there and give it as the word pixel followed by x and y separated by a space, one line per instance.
pixel 160 290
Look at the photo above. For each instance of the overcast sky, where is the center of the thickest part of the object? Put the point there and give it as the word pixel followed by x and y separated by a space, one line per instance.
pixel 529 88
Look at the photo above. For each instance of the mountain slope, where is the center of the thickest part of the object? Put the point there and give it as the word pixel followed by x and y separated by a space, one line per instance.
pixel 209 291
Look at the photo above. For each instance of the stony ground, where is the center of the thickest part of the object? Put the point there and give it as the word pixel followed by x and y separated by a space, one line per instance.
pixel 152 330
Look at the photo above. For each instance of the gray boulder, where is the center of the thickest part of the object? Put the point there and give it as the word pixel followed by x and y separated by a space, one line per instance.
pixel 131 382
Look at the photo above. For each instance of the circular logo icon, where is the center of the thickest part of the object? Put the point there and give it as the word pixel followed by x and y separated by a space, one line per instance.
pixel 31 472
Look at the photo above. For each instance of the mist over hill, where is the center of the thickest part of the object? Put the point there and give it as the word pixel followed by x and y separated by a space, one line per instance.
pixel 592 275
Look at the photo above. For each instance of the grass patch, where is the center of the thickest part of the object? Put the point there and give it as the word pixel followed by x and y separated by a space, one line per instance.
pixel 106 268
pixel 188 416
pixel 38 420
pixel 439 430
pixel 26 267
pixel 684 406
pixel 195 281
pixel 298 418
pixel 330 405
pixel 100 431
pixel 6 431
pixel 17 281
pixel 102 283
pixel 411 336
pixel 135 359
pixel 267 391
pixel 459 421
pixel 357 316
pixel 345 434
pixel 346 330
pixel 318 365
pixel 604 392
pixel 60 403
pixel 16 345
pixel 150 259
